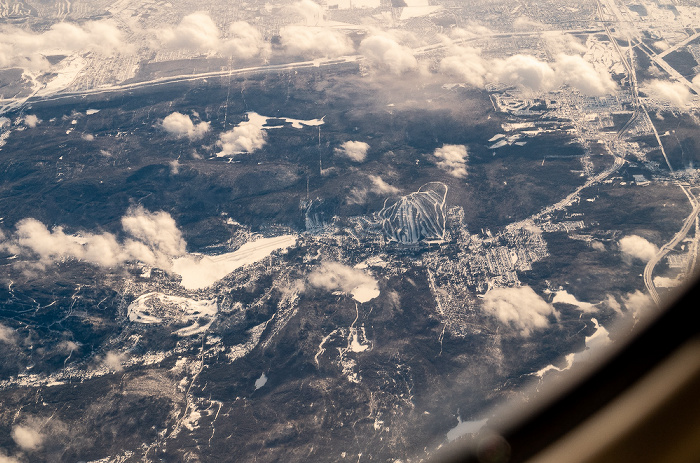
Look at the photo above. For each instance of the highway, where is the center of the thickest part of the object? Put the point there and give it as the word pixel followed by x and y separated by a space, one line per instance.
pixel 200 76
pixel 668 247
pixel 267 68
pixel 679 45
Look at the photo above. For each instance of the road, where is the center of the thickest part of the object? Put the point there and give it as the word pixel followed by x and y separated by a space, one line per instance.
pixel 679 45
pixel 200 76
pixel 269 68
pixel 665 249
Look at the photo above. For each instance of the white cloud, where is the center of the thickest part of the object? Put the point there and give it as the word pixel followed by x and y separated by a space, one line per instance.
pixel 675 93
pixel 315 41
pixel 311 11
pixel 354 150
pixel 520 307
pixel 243 41
pixel 334 276
pixel 379 186
pixel 198 32
pixel 465 63
pixel 561 42
pixel 527 71
pixel 598 246
pixel 28 49
pixel 246 137
pixel 384 52
pixel 7 334
pixel 66 347
pixel 568 298
pixel 27 437
pixel 637 303
pixel 181 126
pixel 523 23
pixel 154 239
pixel 472 30
pixel 453 159
pixel 637 247
pixel 114 361
pixel 31 120
pixel 157 230
pixel 667 282
pixel 578 73
pixel 611 302
pixel 4 458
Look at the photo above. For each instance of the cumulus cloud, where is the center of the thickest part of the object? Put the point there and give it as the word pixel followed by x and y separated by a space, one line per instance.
pixel 7 334
pixel 381 187
pixel 453 160
pixel 181 126
pixel 354 150
pixel 472 30
pixel 114 361
pixel 578 73
pixel 4 458
pixel 637 303
pixel 334 276
pixel 561 42
pixel 31 120
pixel 67 347
pixel 198 32
pixel 153 239
pixel 565 297
pixel 523 23
pixel 156 230
pixel 315 41
pixel 246 137
pixel 521 308
pixel 27 49
pixel 243 41
pixel 674 93
pixel 527 71
pixel 384 52
pixel 311 11
pixel 27 437
pixel 638 248
pixel 378 186
pixel 465 63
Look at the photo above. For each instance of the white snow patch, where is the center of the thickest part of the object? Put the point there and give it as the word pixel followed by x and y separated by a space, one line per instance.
pixel 200 271
pixel 365 292
pixel 299 123
pixel 666 282
pixel 260 382
pixel 465 427
pixel 500 144
pixel 157 307
pixel 594 343
pixel 375 261
pixel 355 345
pixel 192 420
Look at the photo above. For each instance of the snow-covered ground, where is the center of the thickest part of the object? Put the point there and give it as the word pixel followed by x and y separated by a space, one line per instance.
pixel 199 271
